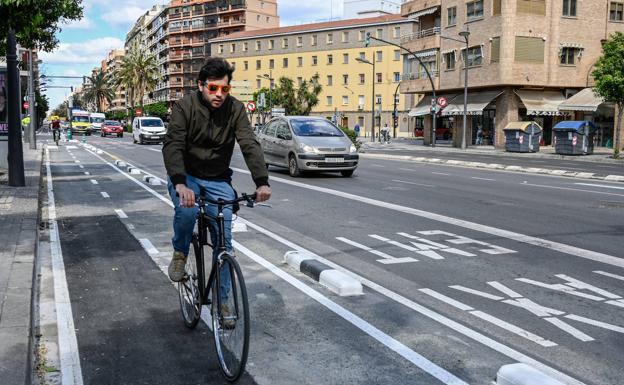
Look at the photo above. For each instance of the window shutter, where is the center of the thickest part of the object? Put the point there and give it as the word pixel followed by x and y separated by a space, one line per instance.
pixel 529 49
pixel 496 7
pixel 495 54
pixel 536 7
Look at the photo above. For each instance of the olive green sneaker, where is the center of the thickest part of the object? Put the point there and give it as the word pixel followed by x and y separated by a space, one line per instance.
pixel 176 267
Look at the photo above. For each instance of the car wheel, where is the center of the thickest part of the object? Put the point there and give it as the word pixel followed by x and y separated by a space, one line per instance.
pixel 293 167
pixel 446 136
pixel 120 135
pixel 133 139
pixel 267 165
pixel 347 173
pixel 140 140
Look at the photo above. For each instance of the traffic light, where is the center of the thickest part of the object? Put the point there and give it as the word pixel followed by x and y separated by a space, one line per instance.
pixel 367 41
pixel 395 121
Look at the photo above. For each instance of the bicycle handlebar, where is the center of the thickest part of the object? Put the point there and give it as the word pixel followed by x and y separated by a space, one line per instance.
pixel 249 198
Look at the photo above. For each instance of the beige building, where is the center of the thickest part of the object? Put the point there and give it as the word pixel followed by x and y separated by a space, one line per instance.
pixel 330 50
pixel 525 58
pixel 113 61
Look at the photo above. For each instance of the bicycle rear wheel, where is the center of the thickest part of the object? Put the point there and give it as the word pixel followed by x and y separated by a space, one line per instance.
pixel 230 320
pixel 188 288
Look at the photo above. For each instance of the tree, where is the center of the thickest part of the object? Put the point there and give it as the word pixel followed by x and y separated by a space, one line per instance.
pixel 42 105
pixel 139 74
pixel 609 78
pixel 157 109
pixel 298 101
pixel 60 110
pixel 98 90
pixel 36 22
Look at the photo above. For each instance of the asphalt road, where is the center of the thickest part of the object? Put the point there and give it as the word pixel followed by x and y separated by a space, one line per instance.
pixel 464 271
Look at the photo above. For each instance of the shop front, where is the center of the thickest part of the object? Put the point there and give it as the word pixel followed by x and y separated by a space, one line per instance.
pixel 586 105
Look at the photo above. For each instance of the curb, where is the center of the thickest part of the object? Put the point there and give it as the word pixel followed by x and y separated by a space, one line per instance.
pixel 496 166
pixel 523 374
pixel 334 280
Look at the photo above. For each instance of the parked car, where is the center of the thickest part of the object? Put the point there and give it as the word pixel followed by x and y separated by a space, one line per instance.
pixel 148 130
pixel 305 143
pixel 111 127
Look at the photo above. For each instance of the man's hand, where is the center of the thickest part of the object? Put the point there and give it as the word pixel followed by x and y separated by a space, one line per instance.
pixel 263 193
pixel 186 195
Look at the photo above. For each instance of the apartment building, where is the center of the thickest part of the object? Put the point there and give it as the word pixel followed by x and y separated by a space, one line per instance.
pixel 525 59
pixel 108 65
pixel 179 36
pixel 331 50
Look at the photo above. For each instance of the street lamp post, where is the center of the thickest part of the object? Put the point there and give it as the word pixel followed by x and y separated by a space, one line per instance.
pixel 365 61
pixel 465 34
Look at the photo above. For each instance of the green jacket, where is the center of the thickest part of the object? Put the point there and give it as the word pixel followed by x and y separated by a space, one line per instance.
pixel 200 141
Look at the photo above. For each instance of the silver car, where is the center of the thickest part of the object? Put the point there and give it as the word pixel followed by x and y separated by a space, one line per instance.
pixel 306 143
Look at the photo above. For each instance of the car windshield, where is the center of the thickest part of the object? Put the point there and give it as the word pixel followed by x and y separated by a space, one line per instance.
pixel 151 123
pixel 97 120
pixel 80 119
pixel 112 123
pixel 314 127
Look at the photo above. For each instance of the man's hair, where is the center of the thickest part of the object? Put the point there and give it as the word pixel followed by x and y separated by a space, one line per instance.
pixel 215 68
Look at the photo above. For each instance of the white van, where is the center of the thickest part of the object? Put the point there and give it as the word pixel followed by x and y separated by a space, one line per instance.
pixel 96 119
pixel 148 130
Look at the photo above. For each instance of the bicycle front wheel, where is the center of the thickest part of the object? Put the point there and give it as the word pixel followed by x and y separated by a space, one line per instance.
pixel 188 288
pixel 230 318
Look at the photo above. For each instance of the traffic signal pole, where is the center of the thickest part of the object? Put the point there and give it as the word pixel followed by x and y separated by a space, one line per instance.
pixel 16 154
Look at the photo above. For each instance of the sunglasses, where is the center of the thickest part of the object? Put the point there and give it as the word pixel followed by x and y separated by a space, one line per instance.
pixel 213 88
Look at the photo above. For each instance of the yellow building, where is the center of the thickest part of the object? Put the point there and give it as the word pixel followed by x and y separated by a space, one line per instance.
pixel 330 50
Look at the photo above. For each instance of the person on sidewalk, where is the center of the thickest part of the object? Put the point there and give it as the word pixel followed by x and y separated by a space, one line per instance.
pixel 197 152
pixel 385 133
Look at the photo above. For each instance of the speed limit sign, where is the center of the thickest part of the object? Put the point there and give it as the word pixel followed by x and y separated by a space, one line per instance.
pixel 442 102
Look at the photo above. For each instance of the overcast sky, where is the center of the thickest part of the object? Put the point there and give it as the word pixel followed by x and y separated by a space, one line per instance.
pixel 84 43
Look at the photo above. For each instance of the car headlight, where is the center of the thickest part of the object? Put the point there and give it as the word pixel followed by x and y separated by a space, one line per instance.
pixel 352 149
pixel 307 148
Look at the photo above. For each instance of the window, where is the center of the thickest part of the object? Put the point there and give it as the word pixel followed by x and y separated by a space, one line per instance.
pixel 285 62
pixel 330 59
pixel 451 18
pixel 362 35
pixel 257 17
pixel 362 55
pixel 379 33
pixel 496 7
pixel 379 77
pixel 397 55
pixel 232 47
pixel 397 77
pixel 314 60
pixel 245 47
pixel 258 64
pixel 271 44
pixel 220 48
pixel 299 61
pixel 299 81
pixel 329 101
pixel 345 100
pixel 495 50
pixel 616 11
pixel 267 19
pixel 330 80
pixel 361 101
pixel 379 56
pixel 285 42
pixel 271 63
pixel 536 7
pixel 345 37
pixel 378 99
pixel 313 40
pixel 569 8
pixel 245 65
pixel 568 55
pixel 475 57
pixel 474 9
pixel 345 58
pixel 396 32
pixel 258 45
pixel 345 80
pixel 362 78
pixel 529 49
pixel 299 41
pixel 258 83
pixel 330 38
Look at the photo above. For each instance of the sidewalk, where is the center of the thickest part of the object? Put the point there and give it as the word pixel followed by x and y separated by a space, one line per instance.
pixel 18 247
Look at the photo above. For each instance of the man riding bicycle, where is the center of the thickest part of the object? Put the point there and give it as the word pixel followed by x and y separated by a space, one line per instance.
pixel 56 130
pixel 197 152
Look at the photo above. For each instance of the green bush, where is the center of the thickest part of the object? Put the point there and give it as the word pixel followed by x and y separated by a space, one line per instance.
pixel 352 135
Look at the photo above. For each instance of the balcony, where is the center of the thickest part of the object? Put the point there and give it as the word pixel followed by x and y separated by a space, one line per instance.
pixel 425 39
pixel 231 22
pixel 232 8
pixel 175 70
pixel 418 82
pixel 414 6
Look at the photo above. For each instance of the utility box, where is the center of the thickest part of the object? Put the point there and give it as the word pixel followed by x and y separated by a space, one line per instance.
pixel 574 137
pixel 522 137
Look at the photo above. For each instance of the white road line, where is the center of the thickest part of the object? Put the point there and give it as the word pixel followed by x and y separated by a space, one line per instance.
pixel 71 372
pixel 104 194
pixel 387 258
pixel 81 166
pixel 440 173
pixel 477 292
pixel 437 317
pixel 94 181
pixel 87 173
pixel 518 237
pixel 570 189
pixel 569 329
pixel 513 328
pixel 474 177
pixel 590 321
pixel 621 278
pixel 76 161
pixel 406 169
pixel 414 183
pixel 600 185
pixel 405 352
pixel 377 165
pixel 147 245
pixel 121 213
pixel 153 149
pixel 448 300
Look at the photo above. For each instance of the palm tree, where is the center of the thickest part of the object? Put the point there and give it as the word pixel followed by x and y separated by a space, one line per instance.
pixel 98 90
pixel 138 74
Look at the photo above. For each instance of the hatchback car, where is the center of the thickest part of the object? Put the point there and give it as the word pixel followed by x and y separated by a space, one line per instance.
pixel 111 127
pixel 306 143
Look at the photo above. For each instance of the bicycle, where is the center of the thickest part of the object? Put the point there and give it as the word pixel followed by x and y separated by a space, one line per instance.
pixel 194 291
pixel 56 135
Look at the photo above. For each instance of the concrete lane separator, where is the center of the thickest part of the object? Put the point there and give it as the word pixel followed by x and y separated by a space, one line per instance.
pixel 523 374
pixel 152 180
pixel 334 280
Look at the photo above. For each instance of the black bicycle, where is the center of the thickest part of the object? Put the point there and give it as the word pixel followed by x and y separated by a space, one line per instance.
pixel 224 293
pixel 56 135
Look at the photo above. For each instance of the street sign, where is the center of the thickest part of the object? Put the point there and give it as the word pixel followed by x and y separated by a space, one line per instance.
pixel 442 102
pixel 262 100
pixel 25 105
pixel 138 112
pixel 251 106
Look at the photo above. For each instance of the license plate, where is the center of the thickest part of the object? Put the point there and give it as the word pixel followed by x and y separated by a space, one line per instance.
pixel 334 160
pixel 155 137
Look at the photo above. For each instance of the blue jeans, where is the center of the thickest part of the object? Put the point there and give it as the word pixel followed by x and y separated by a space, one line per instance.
pixel 184 220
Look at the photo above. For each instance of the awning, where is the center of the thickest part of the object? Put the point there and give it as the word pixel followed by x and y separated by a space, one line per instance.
pixel 426 11
pixel 477 101
pixel 424 106
pixel 584 100
pixel 541 102
pixel 421 54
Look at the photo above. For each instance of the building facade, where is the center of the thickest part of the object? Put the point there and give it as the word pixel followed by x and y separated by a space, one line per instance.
pixel 109 65
pixel 330 50
pixel 353 9
pixel 524 58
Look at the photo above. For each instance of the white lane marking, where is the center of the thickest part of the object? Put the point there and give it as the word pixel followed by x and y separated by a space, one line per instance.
pixel 121 213
pixel 440 173
pixel 414 183
pixel 87 173
pixel 76 161
pixel 621 278
pixel 104 194
pixel 540 242
pixel 393 344
pixel 147 245
pixel 448 300
pixel 406 169
pixel 514 329
pixel 71 372
pixel 571 189
pixel 94 181
pixel 387 258
pixel 437 317
pixel 569 329
pixel 593 322
pixel 153 149
pixel 599 185
pixel 474 177
pixel 377 165
pixel 476 292
pixel 81 166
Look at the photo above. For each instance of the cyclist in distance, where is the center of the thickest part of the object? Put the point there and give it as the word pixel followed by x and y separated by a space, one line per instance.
pixel 197 152
pixel 56 129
